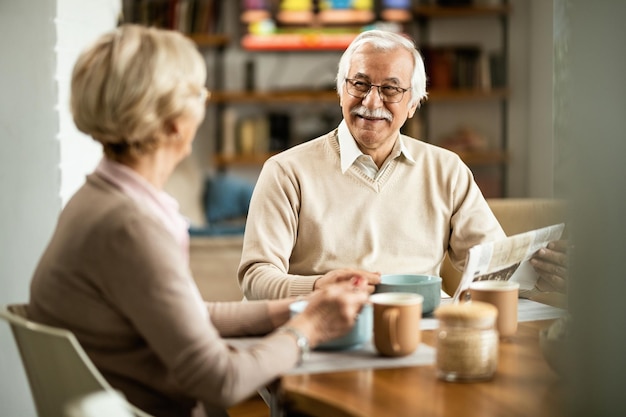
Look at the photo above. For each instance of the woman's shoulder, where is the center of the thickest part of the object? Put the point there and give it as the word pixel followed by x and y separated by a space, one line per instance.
pixel 103 208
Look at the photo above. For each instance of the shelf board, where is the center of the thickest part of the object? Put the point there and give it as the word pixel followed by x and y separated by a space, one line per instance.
pixel 312 41
pixel 280 96
pixel 432 12
pixel 330 96
pixel 254 159
pixel 487 157
pixel 437 95
pixel 205 40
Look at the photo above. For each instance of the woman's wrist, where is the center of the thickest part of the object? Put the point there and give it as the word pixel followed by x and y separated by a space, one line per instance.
pixel 278 311
pixel 305 325
pixel 302 341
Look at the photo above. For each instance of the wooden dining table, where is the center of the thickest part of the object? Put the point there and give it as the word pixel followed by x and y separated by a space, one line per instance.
pixel 523 385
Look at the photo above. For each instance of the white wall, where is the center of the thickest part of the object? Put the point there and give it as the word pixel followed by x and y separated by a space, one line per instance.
pixel 78 22
pixel 29 174
pixel 39 147
pixel 530 128
pixel 540 168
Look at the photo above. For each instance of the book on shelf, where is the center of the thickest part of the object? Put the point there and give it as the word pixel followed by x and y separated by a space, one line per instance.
pixel 256 134
pixel 187 16
pixel 463 67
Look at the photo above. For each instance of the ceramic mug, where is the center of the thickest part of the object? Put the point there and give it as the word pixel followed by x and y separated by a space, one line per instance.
pixel 428 286
pixel 360 333
pixel 397 319
pixel 503 295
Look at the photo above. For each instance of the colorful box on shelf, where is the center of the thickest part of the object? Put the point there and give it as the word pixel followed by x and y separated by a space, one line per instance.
pixel 297 41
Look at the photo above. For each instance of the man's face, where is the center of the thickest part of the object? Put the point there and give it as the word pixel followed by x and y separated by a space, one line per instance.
pixel 378 131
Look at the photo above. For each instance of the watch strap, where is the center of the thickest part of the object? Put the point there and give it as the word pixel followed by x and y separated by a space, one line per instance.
pixel 301 341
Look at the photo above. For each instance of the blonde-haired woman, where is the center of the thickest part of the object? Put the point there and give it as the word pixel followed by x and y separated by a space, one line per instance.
pixel 116 269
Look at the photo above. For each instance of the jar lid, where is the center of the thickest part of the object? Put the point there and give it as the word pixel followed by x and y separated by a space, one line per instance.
pixel 472 313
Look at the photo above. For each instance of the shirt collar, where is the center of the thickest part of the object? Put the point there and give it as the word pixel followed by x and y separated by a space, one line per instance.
pixel 349 151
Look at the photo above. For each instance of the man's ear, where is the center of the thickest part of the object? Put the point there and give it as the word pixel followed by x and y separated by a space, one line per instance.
pixel 412 110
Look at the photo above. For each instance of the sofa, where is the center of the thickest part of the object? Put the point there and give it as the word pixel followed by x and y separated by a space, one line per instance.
pixel 214 260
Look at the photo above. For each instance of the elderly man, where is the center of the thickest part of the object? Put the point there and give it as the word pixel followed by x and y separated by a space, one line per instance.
pixel 363 196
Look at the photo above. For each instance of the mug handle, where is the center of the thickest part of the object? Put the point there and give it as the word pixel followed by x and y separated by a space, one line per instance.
pixel 391 317
pixel 465 296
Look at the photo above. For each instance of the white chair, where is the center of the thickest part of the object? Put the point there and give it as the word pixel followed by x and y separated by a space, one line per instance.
pixel 58 369
pixel 99 404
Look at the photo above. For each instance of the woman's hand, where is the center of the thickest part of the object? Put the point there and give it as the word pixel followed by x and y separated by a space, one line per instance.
pixel 332 311
pixel 346 275
pixel 551 263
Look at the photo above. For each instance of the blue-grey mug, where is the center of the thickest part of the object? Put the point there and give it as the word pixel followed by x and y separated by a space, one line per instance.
pixel 428 286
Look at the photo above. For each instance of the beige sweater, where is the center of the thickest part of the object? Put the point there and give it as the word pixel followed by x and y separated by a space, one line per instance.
pixel 116 278
pixel 307 217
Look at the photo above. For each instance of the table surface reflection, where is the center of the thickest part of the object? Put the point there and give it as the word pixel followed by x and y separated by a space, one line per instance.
pixel 524 385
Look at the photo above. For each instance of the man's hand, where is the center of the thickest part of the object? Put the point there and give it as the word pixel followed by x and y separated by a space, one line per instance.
pixel 551 263
pixel 342 275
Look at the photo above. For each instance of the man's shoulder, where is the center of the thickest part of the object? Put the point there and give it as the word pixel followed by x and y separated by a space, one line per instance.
pixel 419 149
pixel 306 150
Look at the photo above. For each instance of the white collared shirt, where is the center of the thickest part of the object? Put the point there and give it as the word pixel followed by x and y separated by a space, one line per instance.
pixel 351 154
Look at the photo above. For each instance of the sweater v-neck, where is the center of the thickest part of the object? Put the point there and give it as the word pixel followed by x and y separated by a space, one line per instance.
pixel 379 181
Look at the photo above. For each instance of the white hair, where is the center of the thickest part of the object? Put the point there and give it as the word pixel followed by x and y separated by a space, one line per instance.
pixel 386 41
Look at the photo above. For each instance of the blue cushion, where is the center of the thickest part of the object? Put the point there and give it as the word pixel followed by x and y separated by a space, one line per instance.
pixel 226 197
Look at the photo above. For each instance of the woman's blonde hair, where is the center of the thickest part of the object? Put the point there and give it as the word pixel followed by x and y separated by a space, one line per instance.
pixel 131 83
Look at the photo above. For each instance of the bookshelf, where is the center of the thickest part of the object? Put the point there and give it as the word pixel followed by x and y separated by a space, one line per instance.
pixel 298 28
pixel 432 11
pixel 465 77
pixel 277 96
pixel 331 33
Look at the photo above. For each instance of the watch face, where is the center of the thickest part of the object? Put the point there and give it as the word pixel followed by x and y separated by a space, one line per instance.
pixel 303 343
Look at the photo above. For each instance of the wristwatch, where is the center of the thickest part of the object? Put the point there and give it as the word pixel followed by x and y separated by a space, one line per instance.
pixel 301 341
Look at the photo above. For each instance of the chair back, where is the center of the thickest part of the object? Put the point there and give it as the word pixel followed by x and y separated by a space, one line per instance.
pixel 58 369
pixel 99 404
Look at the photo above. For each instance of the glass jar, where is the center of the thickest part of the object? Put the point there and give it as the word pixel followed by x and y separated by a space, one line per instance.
pixel 467 341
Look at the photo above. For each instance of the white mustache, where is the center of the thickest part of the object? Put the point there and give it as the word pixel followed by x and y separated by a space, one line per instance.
pixel 379 113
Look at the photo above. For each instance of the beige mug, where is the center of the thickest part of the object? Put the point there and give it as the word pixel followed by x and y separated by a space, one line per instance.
pixel 503 295
pixel 397 318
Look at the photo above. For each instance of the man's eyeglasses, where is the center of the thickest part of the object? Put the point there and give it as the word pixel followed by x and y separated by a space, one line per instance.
pixel 387 93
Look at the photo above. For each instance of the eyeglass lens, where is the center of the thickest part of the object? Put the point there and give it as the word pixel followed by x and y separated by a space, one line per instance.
pixel 361 89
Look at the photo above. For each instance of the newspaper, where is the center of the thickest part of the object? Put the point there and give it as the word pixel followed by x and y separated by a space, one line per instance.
pixel 507 259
